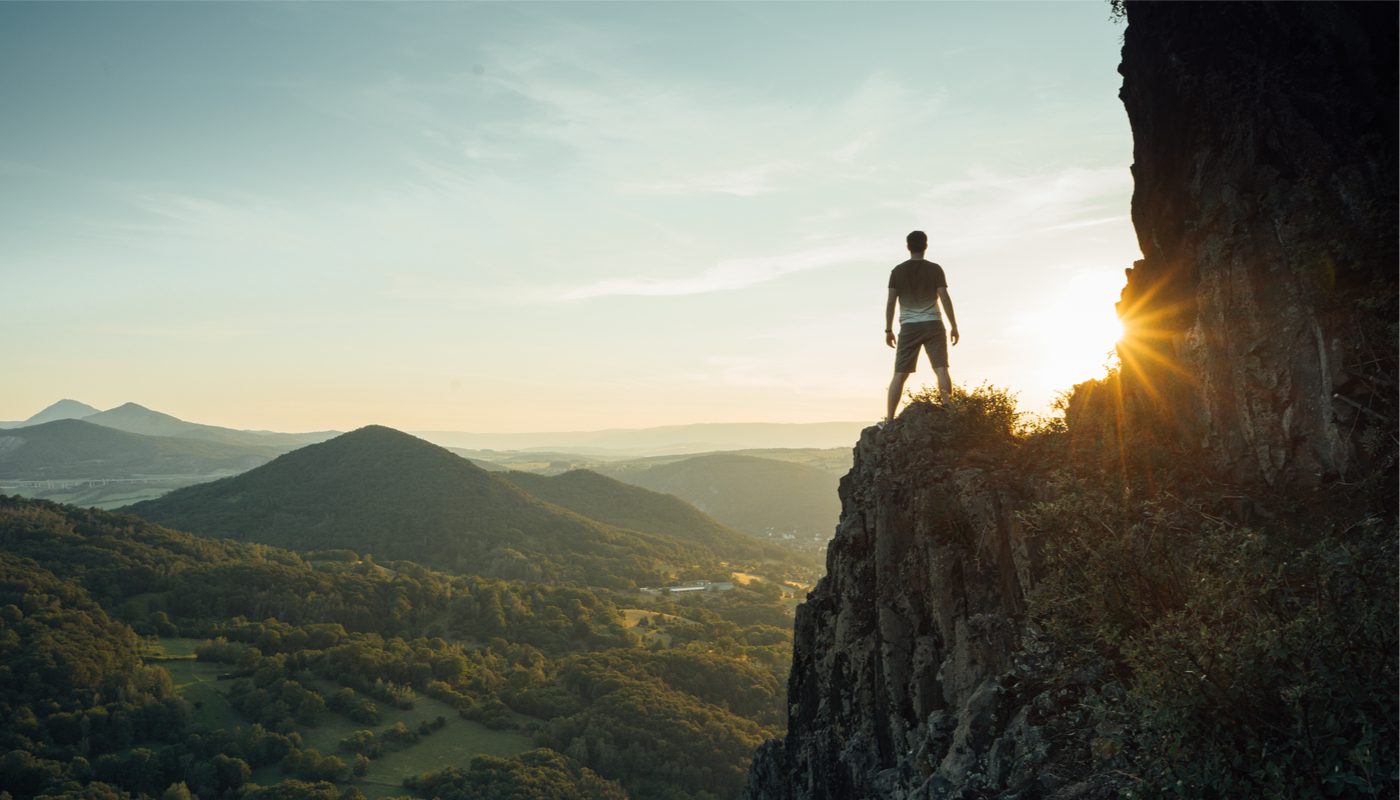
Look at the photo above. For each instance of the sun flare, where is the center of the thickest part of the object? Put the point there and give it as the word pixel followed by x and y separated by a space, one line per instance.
pixel 1073 339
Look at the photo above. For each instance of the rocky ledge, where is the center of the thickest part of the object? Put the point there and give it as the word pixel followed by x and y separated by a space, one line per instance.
pixel 913 672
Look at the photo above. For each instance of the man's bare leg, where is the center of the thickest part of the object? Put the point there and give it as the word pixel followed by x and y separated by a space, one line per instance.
pixel 897 389
pixel 945 384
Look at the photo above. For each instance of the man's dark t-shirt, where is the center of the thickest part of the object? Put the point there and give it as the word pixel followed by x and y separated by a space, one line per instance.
pixel 916 283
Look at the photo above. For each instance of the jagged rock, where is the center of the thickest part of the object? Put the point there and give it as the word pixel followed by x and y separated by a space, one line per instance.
pixel 903 652
pixel 1261 316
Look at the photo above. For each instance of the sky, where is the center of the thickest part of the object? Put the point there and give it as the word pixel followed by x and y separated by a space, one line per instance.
pixel 534 216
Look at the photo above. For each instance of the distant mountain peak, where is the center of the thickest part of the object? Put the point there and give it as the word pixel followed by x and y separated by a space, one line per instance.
pixel 129 406
pixel 380 430
pixel 382 435
pixel 139 413
pixel 379 441
pixel 136 418
pixel 63 409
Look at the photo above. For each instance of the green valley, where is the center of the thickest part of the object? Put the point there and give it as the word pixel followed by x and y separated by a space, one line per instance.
pixel 176 663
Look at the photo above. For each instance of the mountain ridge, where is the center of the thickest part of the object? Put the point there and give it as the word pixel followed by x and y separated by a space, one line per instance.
pixel 616 442
pixel 631 507
pixel 62 409
pixel 662 440
pixel 758 495
pixel 385 492
pixel 136 418
pixel 78 449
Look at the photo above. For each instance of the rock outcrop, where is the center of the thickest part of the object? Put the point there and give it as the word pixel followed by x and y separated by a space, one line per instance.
pixel 905 679
pixel 1262 315
pixel 1262 335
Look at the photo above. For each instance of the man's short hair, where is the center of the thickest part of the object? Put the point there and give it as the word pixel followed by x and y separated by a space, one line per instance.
pixel 917 241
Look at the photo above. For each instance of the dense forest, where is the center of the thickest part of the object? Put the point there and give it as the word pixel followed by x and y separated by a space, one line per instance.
pixel 610 694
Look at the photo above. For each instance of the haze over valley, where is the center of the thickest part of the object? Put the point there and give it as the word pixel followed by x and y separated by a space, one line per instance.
pixel 71 452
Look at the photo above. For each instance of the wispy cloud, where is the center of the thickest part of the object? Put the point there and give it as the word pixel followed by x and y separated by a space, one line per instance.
pixel 850 150
pixel 986 208
pixel 729 274
pixel 825 144
pixel 747 181
pixel 1087 223
pixel 1048 188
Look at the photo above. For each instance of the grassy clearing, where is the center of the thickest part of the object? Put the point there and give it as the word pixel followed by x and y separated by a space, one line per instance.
pixel 167 648
pixel 111 496
pixel 656 624
pixel 454 745
pixel 198 683
pixel 746 578
pixel 633 616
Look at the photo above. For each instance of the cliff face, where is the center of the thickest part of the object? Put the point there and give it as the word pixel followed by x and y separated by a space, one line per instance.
pixel 906 679
pixel 1262 314
pixel 1262 335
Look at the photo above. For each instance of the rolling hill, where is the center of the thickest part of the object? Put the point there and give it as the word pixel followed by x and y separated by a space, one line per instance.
pixel 669 439
pixel 611 501
pixel 135 418
pixel 77 449
pixel 379 491
pixel 756 495
pixel 63 409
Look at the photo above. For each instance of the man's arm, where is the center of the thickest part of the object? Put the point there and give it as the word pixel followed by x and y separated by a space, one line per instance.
pixel 889 317
pixel 948 309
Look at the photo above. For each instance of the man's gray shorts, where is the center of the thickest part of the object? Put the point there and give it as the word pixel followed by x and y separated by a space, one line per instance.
pixel 912 336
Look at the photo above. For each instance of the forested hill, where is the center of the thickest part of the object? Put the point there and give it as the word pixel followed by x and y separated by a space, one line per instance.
pixel 386 493
pixel 292 677
pixel 633 507
pixel 758 495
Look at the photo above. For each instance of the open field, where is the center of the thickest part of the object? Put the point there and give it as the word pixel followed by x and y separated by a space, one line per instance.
pixel 197 682
pixel 656 624
pixel 167 648
pixel 109 496
pixel 634 616
pixel 745 578
pixel 455 744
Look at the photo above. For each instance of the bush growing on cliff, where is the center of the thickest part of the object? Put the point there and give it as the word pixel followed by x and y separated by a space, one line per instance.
pixel 1248 662
pixel 983 415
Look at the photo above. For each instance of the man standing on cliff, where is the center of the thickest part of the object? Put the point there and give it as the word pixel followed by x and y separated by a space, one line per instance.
pixel 919 285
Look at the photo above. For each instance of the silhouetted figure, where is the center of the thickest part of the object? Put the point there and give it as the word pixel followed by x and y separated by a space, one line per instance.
pixel 919 285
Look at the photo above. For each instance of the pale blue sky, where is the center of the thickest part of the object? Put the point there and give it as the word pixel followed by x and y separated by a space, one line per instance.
pixel 529 216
